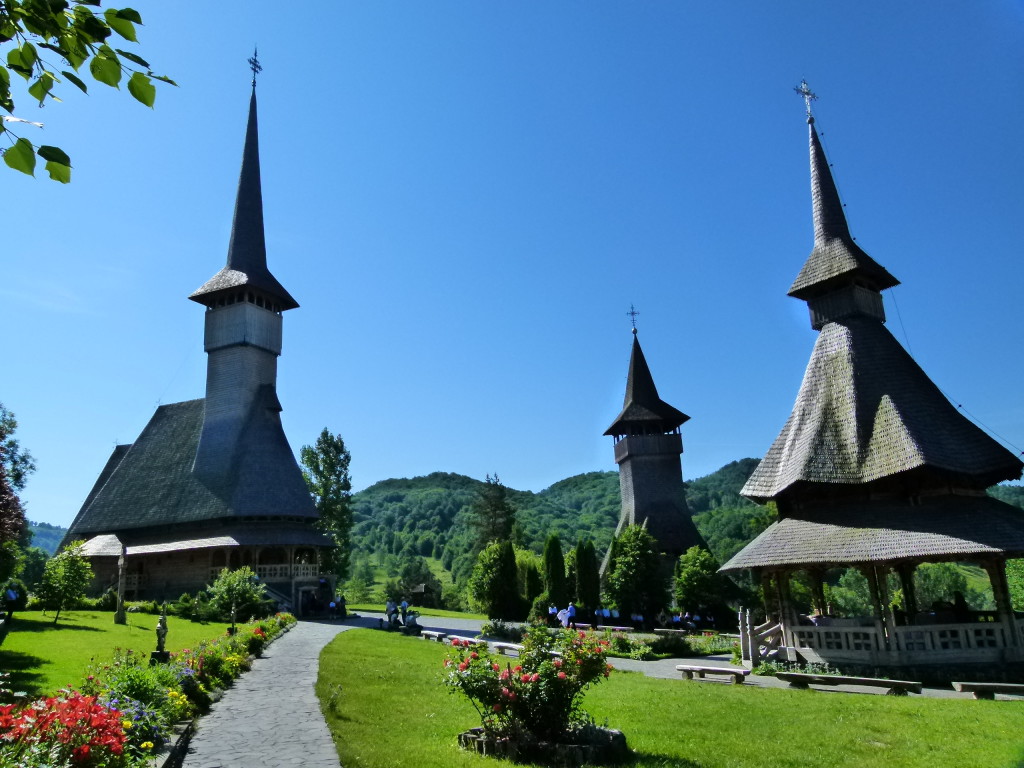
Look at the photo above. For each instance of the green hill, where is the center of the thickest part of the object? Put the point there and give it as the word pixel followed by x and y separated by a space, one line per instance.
pixel 46 536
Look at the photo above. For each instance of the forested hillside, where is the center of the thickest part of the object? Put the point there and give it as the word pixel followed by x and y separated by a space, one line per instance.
pixel 45 536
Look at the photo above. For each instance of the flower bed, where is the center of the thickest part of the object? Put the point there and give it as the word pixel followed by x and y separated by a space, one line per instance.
pixel 126 709
pixel 534 707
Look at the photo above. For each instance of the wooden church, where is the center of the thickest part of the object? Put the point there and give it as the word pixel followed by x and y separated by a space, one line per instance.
pixel 876 470
pixel 213 483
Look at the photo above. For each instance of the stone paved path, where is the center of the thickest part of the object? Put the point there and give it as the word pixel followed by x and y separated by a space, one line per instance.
pixel 270 717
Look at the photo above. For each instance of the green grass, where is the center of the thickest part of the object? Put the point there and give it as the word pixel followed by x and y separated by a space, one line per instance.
pixel 379 608
pixel 43 658
pixel 392 710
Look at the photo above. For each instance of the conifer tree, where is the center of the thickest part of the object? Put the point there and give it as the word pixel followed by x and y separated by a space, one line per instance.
pixel 554 571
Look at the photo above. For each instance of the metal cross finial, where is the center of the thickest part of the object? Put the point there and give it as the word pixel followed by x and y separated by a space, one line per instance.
pixel 254 65
pixel 632 316
pixel 805 90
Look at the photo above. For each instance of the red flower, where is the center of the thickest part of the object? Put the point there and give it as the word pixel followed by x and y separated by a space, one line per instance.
pixel 525 677
pixel 495 666
pixel 474 655
pixel 557 663
pixel 561 675
pixel 496 707
pixel 463 667
pixel 505 674
pixel 535 678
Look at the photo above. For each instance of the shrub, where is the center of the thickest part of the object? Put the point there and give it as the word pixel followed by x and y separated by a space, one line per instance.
pixel 541 696
pixel 503 630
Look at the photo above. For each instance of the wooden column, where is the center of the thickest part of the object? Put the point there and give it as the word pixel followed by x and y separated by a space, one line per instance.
pixel 996 570
pixel 882 579
pixel 818 590
pixel 906 572
pixel 869 572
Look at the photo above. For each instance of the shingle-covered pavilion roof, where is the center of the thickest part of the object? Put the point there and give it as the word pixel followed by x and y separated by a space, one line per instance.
pixel 152 484
pixel 943 528
pixel 247 251
pixel 643 412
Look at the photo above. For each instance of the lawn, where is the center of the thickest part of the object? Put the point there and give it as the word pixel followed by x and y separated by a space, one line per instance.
pixel 386 706
pixel 43 658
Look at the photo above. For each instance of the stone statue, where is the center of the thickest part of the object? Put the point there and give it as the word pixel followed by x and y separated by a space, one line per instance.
pixel 161 630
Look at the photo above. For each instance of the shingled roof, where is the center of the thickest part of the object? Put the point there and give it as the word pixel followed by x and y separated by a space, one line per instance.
pixel 943 528
pixel 643 412
pixel 835 258
pixel 865 411
pixel 153 483
pixel 247 251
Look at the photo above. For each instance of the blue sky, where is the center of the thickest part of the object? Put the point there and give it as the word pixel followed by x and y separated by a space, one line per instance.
pixel 466 197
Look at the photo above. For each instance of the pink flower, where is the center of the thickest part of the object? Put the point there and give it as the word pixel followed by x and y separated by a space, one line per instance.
pixel 474 655
pixel 557 663
pixel 535 678
pixel 463 667
pixel 525 677
pixel 505 674
pixel 517 668
pixel 495 667
pixel 561 675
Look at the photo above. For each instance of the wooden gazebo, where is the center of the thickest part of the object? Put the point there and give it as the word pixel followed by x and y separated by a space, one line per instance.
pixel 875 469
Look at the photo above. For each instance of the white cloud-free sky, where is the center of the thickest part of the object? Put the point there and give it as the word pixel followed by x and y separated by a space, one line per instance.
pixel 466 197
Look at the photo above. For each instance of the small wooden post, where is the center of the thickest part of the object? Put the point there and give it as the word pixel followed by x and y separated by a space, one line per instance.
pixel 120 617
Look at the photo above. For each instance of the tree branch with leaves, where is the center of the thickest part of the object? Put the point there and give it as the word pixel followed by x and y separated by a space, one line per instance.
pixel 77 35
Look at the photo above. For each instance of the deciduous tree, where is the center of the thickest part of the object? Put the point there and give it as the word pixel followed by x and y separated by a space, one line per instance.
pixel 46 43
pixel 239 589
pixel 66 576
pixel 636 581
pixel 697 582
pixel 325 469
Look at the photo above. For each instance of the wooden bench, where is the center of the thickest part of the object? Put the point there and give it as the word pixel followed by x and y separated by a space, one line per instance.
pixel 989 690
pixel 433 634
pixel 504 648
pixel 689 670
pixel 804 680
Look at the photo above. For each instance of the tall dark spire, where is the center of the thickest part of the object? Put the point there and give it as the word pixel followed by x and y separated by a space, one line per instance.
pixel 836 259
pixel 247 250
pixel 643 412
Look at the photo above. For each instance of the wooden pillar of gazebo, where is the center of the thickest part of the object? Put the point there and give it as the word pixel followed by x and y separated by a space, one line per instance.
pixel 906 573
pixel 868 569
pixel 996 570
pixel 818 590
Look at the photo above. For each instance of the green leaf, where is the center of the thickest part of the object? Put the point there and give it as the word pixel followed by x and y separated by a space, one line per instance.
pixel 163 78
pixel 130 14
pixel 58 164
pixel 132 57
pixel 105 66
pixel 28 55
pixel 72 77
pixel 41 87
pixel 142 88
pixel 21 157
pixel 119 24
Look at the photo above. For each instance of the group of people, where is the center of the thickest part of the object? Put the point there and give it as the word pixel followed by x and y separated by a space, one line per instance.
pixel 395 610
